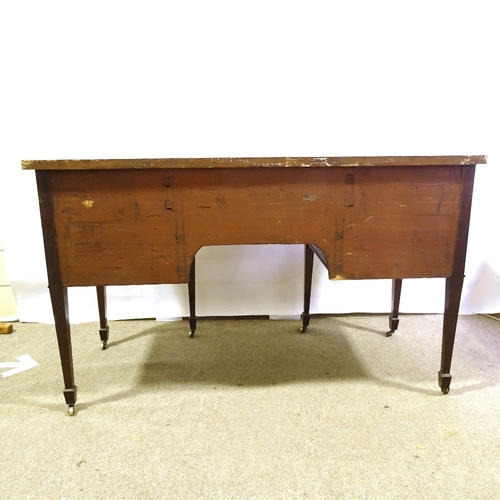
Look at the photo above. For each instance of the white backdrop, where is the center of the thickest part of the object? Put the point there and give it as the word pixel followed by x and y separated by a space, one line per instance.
pixel 122 79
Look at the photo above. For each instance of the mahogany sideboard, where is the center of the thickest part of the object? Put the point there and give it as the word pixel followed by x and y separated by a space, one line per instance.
pixel 141 221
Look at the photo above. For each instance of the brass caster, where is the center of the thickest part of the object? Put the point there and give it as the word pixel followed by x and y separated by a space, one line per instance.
pixel 445 391
pixel 389 333
pixel 303 329
pixel 71 410
pixel 104 345
pixel 191 334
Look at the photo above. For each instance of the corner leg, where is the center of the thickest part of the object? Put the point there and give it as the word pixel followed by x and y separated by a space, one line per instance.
pixel 192 299
pixel 308 271
pixel 59 299
pixel 104 328
pixel 454 283
pixel 58 292
pixel 396 296
pixel 452 304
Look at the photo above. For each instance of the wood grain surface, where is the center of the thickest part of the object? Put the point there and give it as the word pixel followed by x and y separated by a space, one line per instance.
pixel 118 227
pixel 182 163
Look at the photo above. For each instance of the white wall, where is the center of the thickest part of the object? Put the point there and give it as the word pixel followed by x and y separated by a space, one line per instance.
pixel 105 79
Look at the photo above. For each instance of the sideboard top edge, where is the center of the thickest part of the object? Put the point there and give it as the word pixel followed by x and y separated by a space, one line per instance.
pixel 269 162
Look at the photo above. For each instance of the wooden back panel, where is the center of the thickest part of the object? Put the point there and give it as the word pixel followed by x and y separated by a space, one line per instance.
pixel 145 226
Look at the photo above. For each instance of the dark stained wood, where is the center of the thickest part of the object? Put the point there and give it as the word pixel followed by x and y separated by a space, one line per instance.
pixel 119 222
pixel 58 292
pixel 192 298
pixel 454 283
pixel 396 297
pixel 332 161
pixel 103 321
pixel 308 273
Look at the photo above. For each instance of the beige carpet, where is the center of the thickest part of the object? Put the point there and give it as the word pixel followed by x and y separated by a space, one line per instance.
pixel 251 409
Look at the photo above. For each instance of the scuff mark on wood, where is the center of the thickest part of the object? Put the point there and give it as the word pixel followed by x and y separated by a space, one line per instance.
pixel 309 197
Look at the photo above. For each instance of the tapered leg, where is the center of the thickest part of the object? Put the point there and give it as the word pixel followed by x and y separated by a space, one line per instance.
pixel 396 296
pixel 58 292
pixel 455 282
pixel 59 298
pixel 104 328
pixel 452 304
pixel 192 300
pixel 308 271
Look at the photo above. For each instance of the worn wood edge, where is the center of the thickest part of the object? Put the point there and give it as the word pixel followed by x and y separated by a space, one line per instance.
pixel 271 162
